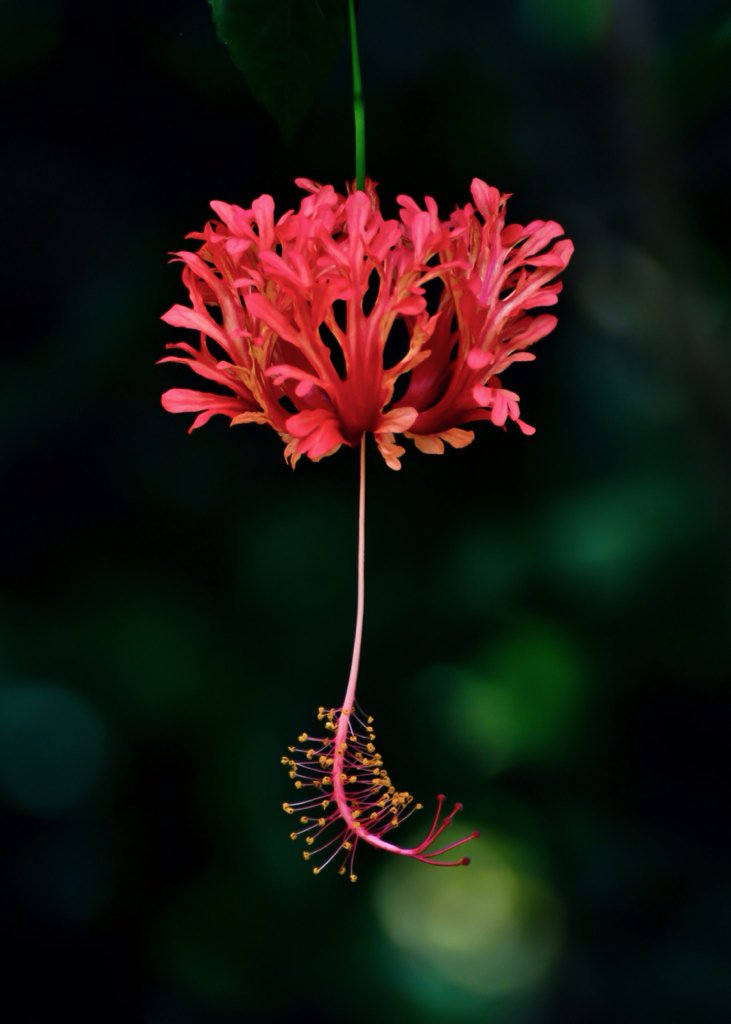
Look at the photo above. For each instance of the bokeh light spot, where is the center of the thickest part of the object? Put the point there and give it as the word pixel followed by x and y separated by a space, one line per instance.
pixel 489 932
pixel 52 748
pixel 607 539
pixel 521 702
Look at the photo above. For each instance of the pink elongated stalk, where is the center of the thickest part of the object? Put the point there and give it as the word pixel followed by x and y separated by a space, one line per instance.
pixel 360 607
pixel 355 799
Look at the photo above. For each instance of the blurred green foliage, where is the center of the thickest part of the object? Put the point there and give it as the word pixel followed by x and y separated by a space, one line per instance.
pixel 547 618
pixel 284 48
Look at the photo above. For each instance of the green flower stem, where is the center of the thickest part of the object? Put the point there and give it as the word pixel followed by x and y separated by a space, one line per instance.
pixel 358 104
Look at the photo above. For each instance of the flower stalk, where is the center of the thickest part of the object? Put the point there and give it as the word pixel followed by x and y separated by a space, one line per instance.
pixel 358 102
pixel 360 607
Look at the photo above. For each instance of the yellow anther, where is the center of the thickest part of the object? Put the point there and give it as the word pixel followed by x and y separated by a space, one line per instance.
pixel 292 835
pixel 304 819
pixel 291 749
pixel 309 840
pixel 347 845
pixel 310 754
pixel 285 760
pixel 394 821
pixel 370 719
pixel 325 804
pixel 288 808
pixel 298 784
pixel 341 871
pixel 293 774
pixel 315 871
pixel 353 778
pixel 305 855
pixel 320 822
pixel 419 807
pixel 353 878
pixel 302 737
pixel 327 781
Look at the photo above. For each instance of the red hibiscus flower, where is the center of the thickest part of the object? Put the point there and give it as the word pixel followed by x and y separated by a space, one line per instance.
pixel 294 315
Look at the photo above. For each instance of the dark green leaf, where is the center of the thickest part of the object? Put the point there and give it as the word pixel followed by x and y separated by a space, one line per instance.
pixel 284 48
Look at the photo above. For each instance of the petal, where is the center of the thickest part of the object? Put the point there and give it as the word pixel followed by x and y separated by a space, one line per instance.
pixel 478 359
pixel 429 444
pixel 390 451
pixel 533 329
pixel 433 444
pixel 236 219
pixel 184 400
pixel 261 308
pixel 396 420
pixel 237 246
pixel 263 211
pixel 537 235
pixel 317 432
pixel 458 438
pixel 487 396
pixel 183 316
pixel 250 417
pixel 420 229
pixel 487 198
pixel 307 184
pixel 295 271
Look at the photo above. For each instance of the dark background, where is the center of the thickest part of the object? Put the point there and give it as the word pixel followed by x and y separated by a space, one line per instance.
pixel 546 627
